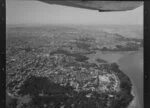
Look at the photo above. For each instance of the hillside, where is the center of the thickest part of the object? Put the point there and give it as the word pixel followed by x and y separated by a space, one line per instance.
pixel 48 67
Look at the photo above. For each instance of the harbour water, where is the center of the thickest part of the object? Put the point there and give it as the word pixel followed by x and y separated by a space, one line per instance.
pixel 131 63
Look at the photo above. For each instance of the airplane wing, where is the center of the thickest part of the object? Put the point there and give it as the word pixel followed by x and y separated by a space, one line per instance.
pixel 102 6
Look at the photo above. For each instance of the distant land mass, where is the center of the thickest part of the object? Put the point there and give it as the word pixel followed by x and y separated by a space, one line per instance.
pixel 47 66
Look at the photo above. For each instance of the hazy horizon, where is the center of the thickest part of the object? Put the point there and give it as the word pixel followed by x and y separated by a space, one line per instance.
pixel 25 24
pixel 38 13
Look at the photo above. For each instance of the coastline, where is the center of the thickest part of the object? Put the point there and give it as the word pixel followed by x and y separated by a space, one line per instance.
pixel 134 58
pixel 134 102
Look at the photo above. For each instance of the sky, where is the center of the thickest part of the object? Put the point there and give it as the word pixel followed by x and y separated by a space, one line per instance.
pixel 35 12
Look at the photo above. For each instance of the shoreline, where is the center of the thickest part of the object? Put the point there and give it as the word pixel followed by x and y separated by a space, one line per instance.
pixel 134 102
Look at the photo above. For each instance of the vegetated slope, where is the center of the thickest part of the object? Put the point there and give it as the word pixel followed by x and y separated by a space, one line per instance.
pixel 60 80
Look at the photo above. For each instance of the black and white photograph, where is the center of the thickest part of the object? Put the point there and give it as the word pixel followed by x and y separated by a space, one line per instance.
pixel 74 54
